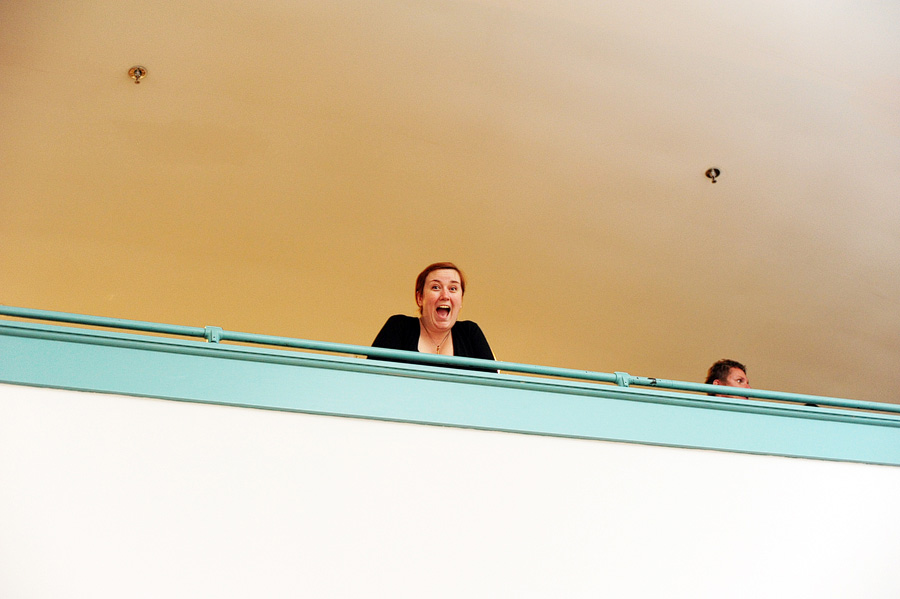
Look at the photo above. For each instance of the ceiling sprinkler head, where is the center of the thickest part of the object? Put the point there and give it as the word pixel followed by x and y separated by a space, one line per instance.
pixel 713 173
pixel 137 73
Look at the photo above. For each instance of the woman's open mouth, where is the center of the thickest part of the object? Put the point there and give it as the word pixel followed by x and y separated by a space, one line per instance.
pixel 443 311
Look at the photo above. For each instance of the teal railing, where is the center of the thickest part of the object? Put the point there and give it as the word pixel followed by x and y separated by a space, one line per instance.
pixel 214 366
pixel 215 334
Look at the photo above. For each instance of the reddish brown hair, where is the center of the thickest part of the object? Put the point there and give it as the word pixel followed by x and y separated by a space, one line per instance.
pixel 420 280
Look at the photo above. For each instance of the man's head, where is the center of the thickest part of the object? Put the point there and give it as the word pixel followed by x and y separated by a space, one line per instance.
pixel 729 373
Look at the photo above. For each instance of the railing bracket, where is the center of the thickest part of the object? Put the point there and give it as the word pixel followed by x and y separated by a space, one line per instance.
pixel 623 379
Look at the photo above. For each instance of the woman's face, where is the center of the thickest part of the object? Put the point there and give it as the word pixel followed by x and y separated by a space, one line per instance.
pixel 440 299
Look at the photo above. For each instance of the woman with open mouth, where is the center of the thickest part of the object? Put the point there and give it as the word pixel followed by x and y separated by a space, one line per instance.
pixel 437 330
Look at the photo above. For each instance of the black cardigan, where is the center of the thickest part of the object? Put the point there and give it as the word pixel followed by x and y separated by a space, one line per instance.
pixel 402 332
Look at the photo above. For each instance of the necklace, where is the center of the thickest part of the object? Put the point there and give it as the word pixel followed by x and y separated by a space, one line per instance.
pixel 437 345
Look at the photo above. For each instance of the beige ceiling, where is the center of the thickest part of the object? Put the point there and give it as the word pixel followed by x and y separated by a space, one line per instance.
pixel 288 167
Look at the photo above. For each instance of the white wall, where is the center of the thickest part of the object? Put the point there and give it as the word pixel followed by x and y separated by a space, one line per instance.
pixel 110 496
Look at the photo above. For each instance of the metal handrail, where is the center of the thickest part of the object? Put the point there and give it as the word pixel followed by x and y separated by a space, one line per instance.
pixel 214 334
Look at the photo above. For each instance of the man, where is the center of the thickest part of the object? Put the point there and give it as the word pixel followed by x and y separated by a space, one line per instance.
pixel 728 373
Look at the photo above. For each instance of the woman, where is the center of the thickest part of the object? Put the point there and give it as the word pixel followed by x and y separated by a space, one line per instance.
pixel 439 295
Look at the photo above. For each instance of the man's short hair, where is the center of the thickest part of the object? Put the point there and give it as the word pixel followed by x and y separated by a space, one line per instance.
pixel 719 371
